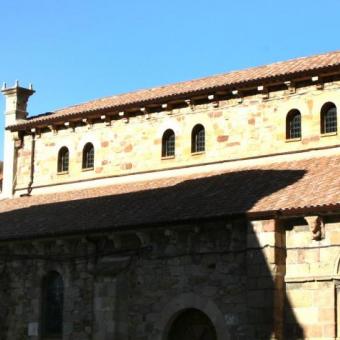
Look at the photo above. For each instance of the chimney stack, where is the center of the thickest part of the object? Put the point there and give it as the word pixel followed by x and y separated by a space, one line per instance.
pixel 15 112
pixel 16 103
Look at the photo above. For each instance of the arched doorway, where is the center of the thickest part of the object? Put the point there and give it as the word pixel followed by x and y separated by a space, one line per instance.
pixel 192 324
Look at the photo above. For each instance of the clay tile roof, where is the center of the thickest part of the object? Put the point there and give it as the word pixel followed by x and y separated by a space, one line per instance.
pixel 276 187
pixel 280 70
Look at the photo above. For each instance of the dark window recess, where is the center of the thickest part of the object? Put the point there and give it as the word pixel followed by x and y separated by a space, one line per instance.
pixel 198 139
pixel 194 325
pixel 88 156
pixel 63 159
pixel 293 124
pixel 329 118
pixel 168 144
pixel 52 308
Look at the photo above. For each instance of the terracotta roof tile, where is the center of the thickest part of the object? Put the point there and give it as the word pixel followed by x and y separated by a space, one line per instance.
pixel 277 70
pixel 275 187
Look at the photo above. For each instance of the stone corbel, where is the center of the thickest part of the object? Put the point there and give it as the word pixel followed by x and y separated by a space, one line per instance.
pixel 238 94
pixel 123 116
pixel 106 119
pixel 167 108
pixel 190 103
pixel 53 129
pixel 144 238
pixel 171 235
pixel 318 82
pixel 264 91
pixel 316 226
pixel 70 125
pixel 117 241
pixel 87 122
pixel 215 102
pixel 146 113
pixel 290 86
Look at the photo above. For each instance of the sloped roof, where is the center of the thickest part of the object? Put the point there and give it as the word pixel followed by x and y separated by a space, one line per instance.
pixel 280 70
pixel 259 189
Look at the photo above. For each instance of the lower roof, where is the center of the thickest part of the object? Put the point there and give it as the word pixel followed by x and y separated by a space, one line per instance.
pixel 277 187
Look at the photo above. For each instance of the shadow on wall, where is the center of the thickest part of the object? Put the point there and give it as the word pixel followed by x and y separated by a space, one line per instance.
pixel 218 196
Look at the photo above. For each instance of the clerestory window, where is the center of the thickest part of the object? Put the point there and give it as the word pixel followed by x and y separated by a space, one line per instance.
pixel 88 156
pixel 198 138
pixel 63 159
pixel 168 143
pixel 329 118
pixel 293 124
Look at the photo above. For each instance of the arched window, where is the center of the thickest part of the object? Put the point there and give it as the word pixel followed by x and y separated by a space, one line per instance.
pixel 194 325
pixel 198 138
pixel 52 305
pixel 293 124
pixel 63 159
pixel 168 143
pixel 328 118
pixel 88 156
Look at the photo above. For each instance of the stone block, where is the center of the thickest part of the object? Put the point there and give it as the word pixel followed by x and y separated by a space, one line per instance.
pixel 329 331
pixel 327 315
pixel 312 331
pixel 324 297
pixel 301 298
pixel 307 315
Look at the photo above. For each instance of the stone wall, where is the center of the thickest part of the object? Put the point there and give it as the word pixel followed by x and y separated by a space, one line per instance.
pixel 261 280
pixel 234 130
pixel 312 277
pixel 226 269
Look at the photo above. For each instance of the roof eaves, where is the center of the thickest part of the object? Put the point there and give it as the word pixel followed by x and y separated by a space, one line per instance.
pixel 54 117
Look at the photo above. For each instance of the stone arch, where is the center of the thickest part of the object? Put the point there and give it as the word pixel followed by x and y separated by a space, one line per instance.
pixel 169 124
pixel 192 324
pixel 190 301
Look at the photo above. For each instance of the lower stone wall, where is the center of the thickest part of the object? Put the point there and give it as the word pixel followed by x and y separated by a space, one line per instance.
pixel 26 266
pixel 314 308
pixel 190 270
pixel 134 285
pixel 312 275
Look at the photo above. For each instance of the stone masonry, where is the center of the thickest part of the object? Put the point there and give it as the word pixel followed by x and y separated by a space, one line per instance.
pixel 242 237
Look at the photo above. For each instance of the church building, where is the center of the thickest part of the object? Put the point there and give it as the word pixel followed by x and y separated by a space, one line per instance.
pixel 202 210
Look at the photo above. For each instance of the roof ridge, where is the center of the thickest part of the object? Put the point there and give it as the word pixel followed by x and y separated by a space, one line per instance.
pixel 231 79
pixel 197 79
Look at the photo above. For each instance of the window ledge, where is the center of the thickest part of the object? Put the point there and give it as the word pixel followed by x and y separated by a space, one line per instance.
pixel 327 134
pixel 87 169
pixel 167 157
pixel 197 153
pixel 62 173
pixel 290 140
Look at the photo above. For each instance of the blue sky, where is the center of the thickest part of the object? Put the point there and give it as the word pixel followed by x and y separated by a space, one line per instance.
pixel 73 51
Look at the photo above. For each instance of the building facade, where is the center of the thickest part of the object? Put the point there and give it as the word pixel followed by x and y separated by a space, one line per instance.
pixel 203 210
